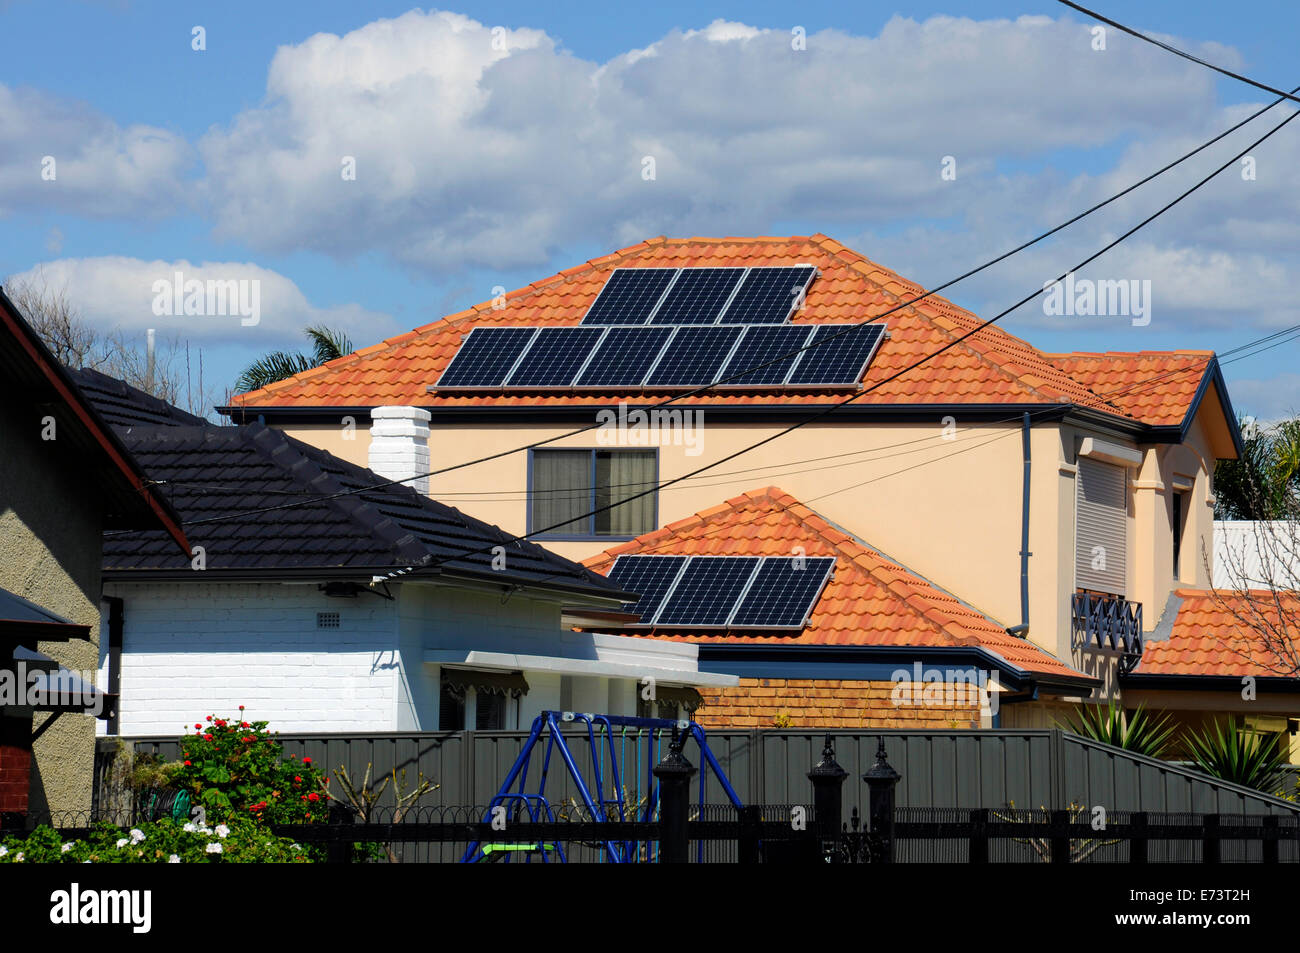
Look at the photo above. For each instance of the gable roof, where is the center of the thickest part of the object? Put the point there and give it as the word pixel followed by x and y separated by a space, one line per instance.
pixel 1212 637
pixel 210 471
pixel 30 377
pixel 871 601
pixel 991 368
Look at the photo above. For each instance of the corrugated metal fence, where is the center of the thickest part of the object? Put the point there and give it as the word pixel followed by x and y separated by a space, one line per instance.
pixel 1047 769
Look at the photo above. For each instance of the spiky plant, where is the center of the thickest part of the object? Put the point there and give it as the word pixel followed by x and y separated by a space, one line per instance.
pixel 327 344
pixel 1231 752
pixel 1140 732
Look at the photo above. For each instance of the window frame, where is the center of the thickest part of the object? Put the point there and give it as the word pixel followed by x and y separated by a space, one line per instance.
pixel 591 536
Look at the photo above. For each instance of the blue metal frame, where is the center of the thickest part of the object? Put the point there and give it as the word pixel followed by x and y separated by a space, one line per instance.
pixel 536 805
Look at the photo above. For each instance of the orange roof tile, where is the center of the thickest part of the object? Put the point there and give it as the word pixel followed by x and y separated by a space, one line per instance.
pixel 1156 387
pixel 1213 634
pixel 991 367
pixel 870 601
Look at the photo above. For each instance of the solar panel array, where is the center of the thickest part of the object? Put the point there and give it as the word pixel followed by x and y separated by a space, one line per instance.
pixel 663 356
pixel 749 592
pixel 701 295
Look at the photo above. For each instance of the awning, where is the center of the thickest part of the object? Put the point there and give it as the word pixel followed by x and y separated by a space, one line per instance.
pixel 491 683
pixel 31 682
pixel 686 697
pixel 22 620
pixel 576 666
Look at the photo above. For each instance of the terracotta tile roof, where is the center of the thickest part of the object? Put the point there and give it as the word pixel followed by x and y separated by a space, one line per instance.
pixel 870 601
pixel 1156 387
pixel 993 367
pixel 1212 636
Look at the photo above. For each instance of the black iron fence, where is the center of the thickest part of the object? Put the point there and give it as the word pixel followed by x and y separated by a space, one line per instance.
pixel 683 831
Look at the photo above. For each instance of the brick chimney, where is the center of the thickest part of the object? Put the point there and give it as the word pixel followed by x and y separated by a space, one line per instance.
pixel 399 444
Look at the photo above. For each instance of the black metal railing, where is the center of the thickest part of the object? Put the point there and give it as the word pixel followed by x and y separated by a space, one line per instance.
pixel 1105 621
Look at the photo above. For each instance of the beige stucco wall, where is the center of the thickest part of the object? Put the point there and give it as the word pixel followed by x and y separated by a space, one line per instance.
pixel 943 497
pixel 50 551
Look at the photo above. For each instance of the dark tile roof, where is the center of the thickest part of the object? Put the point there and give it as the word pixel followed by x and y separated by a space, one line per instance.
pixel 232 473
pixel 125 406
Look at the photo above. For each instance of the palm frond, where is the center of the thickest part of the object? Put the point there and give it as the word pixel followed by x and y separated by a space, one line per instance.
pixel 270 368
pixel 327 344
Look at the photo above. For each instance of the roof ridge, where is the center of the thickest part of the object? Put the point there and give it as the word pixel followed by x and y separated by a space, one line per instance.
pixel 274 445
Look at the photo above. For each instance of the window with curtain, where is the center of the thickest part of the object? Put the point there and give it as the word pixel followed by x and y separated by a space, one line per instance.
pixel 568 485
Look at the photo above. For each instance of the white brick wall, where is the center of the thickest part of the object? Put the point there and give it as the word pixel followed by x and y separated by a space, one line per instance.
pixel 195 649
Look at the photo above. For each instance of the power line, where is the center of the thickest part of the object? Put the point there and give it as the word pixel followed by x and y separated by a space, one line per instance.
pixel 1177 52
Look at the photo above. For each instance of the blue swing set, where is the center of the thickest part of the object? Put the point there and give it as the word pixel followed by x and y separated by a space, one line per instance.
pixel 599 728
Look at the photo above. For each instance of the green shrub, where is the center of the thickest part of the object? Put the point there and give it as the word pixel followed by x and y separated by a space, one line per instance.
pixel 1234 753
pixel 235 768
pixel 241 841
pixel 1141 732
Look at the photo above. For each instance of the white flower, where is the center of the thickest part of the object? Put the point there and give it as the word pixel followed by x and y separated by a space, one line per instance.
pixel 173 859
pixel 18 857
pixel 137 835
pixel 222 831
pixel 121 842
pixel 65 848
pixel 214 848
pixel 3 850
pixel 189 827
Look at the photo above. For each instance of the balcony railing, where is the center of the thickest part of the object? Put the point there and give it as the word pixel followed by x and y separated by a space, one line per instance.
pixel 1105 620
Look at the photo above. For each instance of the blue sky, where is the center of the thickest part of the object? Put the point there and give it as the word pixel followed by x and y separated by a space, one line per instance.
pixel 480 167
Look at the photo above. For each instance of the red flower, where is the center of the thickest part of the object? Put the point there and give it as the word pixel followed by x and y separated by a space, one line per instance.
pixel 241 707
pixel 297 779
pixel 188 765
pixel 209 717
pixel 197 725
pixel 304 797
pixel 313 796
pixel 244 724
pixel 207 737
pixel 306 760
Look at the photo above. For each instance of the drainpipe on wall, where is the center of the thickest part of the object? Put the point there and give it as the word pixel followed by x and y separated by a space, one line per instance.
pixel 115 616
pixel 1023 629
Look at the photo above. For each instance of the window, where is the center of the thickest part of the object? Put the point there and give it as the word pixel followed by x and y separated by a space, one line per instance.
pixel 490 711
pixel 1101 527
pixel 451 709
pixel 1176 524
pixel 566 486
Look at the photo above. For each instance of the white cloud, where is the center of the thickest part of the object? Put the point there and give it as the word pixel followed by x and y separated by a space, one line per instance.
pixel 473 155
pixel 63 156
pixel 114 292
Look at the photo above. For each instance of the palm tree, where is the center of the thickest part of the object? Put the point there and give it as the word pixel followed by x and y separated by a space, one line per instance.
pixel 1264 483
pixel 1140 732
pixel 327 345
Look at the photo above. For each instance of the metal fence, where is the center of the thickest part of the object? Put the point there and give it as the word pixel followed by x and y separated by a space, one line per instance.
pixel 1043 769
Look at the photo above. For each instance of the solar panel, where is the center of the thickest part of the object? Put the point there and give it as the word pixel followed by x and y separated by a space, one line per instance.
pixel 768 295
pixel 694 356
pixel 650 576
pixel 697 296
pixel 707 591
pixel 764 348
pixel 486 357
pixel 784 592
pixel 555 357
pixel 629 296
pixel 843 356
pixel 623 357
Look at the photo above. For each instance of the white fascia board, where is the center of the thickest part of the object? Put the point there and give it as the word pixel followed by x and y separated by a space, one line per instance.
pixel 1110 452
pixel 575 666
